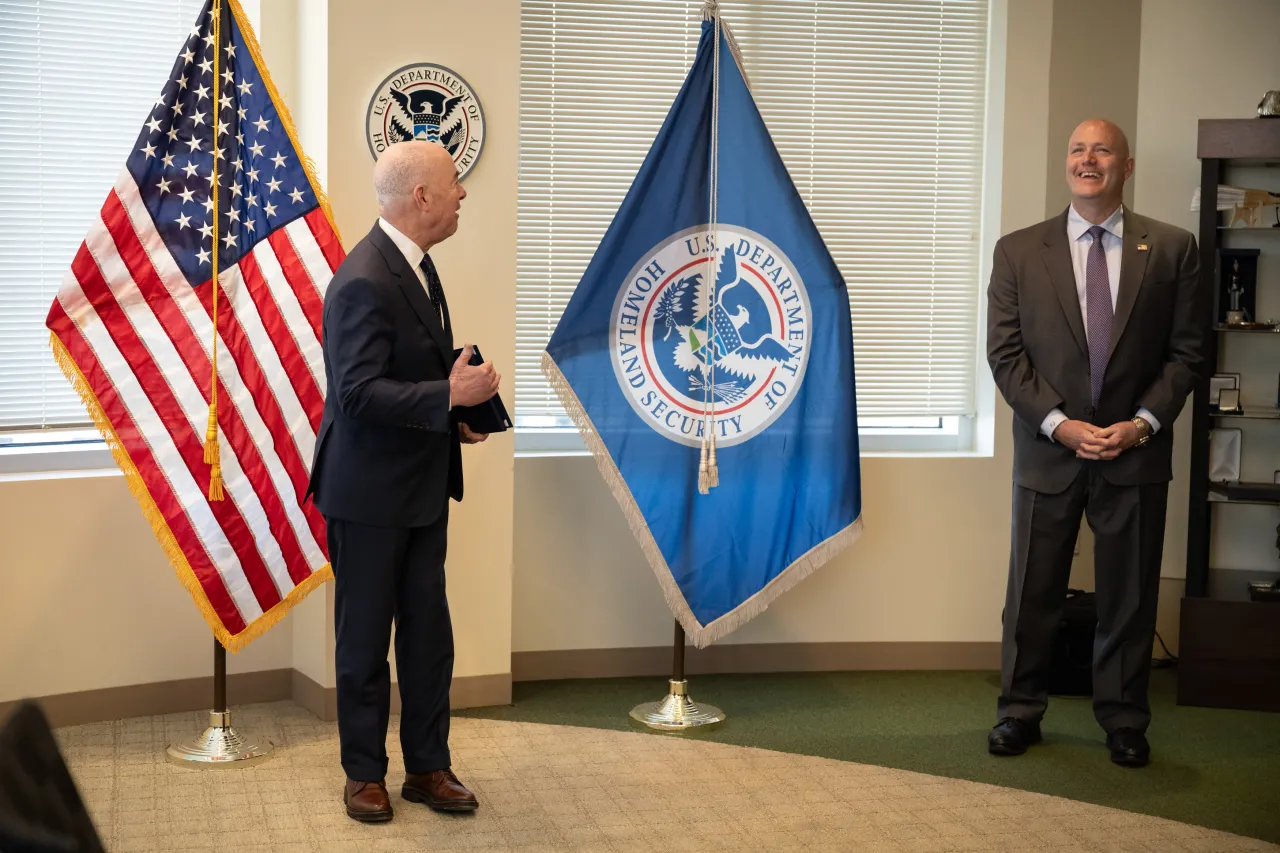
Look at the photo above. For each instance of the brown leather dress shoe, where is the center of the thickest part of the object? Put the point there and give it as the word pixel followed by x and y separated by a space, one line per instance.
pixel 367 802
pixel 439 790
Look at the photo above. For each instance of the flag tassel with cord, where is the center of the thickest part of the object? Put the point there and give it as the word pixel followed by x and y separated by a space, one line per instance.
pixel 212 456
pixel 190 324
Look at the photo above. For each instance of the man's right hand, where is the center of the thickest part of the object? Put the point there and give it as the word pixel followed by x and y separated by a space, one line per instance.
pixel 1073 434
pixel 469 384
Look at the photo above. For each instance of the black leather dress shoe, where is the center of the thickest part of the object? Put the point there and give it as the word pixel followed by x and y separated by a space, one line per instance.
pixel 1129 748
pixel 1012 736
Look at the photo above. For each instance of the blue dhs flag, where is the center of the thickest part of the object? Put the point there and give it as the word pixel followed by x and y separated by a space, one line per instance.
pixel 709 339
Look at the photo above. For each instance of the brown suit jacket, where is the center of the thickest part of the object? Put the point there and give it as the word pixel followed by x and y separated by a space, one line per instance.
pixel 1039 355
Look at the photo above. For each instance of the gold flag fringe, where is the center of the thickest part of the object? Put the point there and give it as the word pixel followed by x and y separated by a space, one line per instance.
pixel 160 527
pixel 701 635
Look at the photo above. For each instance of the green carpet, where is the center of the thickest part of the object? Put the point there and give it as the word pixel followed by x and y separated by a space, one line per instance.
pixel 1214 768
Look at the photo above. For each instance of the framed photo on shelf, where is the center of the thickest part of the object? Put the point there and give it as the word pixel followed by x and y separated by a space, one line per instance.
pixel 1220 382
pixel 1229 401
pixel 1237 286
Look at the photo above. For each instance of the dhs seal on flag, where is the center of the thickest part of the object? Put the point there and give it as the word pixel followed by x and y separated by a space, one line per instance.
pixel 675 350
pixel 430 103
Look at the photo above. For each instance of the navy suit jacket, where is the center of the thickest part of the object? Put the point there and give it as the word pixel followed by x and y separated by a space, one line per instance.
pixel 388 452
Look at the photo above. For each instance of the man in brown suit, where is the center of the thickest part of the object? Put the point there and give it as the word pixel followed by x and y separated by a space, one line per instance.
pixel 1096 327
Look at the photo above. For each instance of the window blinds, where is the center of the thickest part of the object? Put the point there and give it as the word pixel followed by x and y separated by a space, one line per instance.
pixel 877 107
pixel 76 81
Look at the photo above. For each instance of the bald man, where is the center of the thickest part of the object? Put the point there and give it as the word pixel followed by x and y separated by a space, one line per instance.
pixel 387 461
pixel 1096 329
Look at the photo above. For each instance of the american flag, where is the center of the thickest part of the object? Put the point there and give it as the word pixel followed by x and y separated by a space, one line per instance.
pixel 132 327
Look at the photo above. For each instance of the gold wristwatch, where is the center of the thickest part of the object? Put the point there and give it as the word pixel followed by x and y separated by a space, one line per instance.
pixel 1144 430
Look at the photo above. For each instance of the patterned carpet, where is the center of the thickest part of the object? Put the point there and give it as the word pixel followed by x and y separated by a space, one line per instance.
pixel 560 788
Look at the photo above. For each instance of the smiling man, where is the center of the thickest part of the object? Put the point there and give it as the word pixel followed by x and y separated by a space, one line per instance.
pixel 1096 328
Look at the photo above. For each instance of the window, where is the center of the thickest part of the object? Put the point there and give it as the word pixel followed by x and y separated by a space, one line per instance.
pixel 878 110
pixel 76 81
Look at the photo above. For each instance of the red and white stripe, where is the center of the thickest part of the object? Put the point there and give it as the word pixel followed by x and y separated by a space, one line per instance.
pixel 141 335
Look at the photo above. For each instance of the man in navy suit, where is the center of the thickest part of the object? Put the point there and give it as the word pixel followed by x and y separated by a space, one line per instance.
pixel 388 459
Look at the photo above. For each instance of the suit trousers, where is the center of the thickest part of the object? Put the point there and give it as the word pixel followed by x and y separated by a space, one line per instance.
pixel 386 574
pixel 1128 527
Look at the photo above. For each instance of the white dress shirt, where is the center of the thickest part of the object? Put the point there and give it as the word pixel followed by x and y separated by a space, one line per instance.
pixel 412 251
pixel 1081 242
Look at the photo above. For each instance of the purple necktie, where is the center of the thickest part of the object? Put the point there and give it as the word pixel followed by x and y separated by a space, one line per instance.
pixel 1097 295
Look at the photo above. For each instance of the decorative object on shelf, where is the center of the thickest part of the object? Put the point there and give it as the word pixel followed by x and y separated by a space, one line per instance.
pixel 1229 401
pixel 1235 314
pixel 1224 455
pixel 1220 381
pixel 1277 482
pixel 1237 286
pixel 1262 591
pixel 1269 106
pixel 1246 207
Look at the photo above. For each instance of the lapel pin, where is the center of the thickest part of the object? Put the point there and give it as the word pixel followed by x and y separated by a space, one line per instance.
pixel 1142 247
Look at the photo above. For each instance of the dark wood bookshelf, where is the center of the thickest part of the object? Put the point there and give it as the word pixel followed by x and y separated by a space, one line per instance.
pixel 1229 650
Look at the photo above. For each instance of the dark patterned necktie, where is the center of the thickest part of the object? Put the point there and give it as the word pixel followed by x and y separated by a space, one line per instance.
pixel 1097 294
pixel 434 290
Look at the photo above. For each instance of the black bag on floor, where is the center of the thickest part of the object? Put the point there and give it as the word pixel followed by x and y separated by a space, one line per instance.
pixel 1071 662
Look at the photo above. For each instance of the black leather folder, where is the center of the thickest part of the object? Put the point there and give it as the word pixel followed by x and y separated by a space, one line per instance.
pixel 487 417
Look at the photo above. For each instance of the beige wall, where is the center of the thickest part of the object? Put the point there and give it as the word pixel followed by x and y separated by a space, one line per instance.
pixel 477 265
pixel 1093 73
pixel 88 600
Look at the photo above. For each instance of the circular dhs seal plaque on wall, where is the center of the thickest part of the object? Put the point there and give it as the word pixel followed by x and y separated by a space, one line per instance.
pixel 431 103
pixel 679 343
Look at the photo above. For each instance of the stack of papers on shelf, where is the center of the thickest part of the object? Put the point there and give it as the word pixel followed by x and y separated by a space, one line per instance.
pixel 1230 197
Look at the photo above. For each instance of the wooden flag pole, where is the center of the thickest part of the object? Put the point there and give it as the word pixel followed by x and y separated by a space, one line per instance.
pixel 677 661
pixel 219 678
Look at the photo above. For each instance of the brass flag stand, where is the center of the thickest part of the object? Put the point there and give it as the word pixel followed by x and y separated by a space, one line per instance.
pixel 220 745
pixel 677 712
